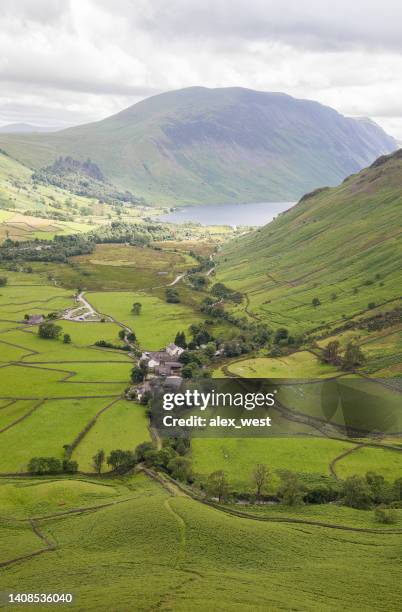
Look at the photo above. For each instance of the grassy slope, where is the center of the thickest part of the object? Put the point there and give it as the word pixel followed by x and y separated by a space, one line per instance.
pixel 219 145
pixel 333 242
pixel 174 553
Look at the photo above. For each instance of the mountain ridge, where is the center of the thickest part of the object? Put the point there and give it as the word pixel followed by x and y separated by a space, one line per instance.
pixel 200 145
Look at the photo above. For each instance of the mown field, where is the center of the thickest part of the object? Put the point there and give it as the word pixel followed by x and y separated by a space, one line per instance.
pixel 174 553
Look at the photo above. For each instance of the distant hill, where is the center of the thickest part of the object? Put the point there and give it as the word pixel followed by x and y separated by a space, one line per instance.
pixel 200 145
pixel 342 245
pixel 24 128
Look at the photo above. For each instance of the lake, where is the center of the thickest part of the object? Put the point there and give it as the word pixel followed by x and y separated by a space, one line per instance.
pixel 258 213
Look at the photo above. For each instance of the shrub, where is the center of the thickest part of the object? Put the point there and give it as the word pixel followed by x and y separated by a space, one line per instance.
pixel 387 516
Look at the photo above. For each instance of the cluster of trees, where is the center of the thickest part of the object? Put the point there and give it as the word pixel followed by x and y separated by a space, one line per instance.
pixel 52 465
pixel 172 458
pixel 57 250
pixel 119 232
pixel 139 373
pixel 50 331
pixel 221 292
pixel 351 358
pixel 364 493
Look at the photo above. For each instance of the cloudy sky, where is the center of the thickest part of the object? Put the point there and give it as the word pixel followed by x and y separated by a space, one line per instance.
pixel 64 62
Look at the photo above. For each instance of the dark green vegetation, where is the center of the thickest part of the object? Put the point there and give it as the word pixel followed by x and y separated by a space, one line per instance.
pixel 214 145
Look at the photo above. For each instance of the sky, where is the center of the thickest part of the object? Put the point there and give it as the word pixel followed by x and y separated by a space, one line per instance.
pixel 64 62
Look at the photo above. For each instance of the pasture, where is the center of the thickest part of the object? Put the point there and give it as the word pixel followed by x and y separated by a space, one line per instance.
pixel 174 552
pixel 301 365
pixel 239 456
pixel 158 322
pixel 50 391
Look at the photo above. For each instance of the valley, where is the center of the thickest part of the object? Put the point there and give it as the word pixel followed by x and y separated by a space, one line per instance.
pixel 245 301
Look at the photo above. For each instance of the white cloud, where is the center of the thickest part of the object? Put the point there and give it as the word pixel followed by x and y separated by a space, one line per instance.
pixel 71 61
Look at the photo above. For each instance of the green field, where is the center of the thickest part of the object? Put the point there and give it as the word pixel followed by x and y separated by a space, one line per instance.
pixel 238 457
pixel 158 322
pixel 124 426
pixel 297 365
pixel 174 553
pixel 50 391
pixel 383 461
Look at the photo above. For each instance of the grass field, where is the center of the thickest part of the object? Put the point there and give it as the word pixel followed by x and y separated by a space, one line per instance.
pixel 123 426
pixel 174 553
pixel 238 457
pixel 298 365
pixel 50 390
pixel 158 322
pixel 385 462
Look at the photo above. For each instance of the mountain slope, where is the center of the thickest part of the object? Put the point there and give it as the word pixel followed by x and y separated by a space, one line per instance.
pixel 342 245
pixel 215 145
pixel 18 128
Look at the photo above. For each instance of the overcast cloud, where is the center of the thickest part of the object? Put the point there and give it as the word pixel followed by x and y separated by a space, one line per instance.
pixel 70 61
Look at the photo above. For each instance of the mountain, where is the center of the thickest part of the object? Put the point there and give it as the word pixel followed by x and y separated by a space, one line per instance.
pixel 342 245
pixel 24 128
pixel 200 145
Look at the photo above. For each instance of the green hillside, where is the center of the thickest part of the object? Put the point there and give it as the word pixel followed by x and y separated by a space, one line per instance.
pixel 140 548
pixel 341 245
pixel 214 145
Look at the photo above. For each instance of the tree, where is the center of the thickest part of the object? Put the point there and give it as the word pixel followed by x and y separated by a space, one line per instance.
pixel 353 356
pixel 122 334
pixel 141 450
pixel 188 370
pixel 180 339
pixel 45 465
pixel 291 490
pixel 121 460
pixel 3 281
pixel 70 466
pixel 357 493
pixel 397 489
pixel 281 334
pixel 261 475
pixel 172 296
pixel 217 485
pixel 49 330
pixel 67 339
pixel 98 460
pixel 316 302
pixel 381 490
pixel 331 352
pixel 139 373
pixel 180 468
pixel 136 309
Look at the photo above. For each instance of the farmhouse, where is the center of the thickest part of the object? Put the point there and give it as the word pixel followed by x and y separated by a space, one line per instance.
pixel 164 362
pixel 34 319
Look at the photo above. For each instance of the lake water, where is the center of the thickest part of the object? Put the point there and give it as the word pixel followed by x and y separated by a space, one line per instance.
pixel 258 213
